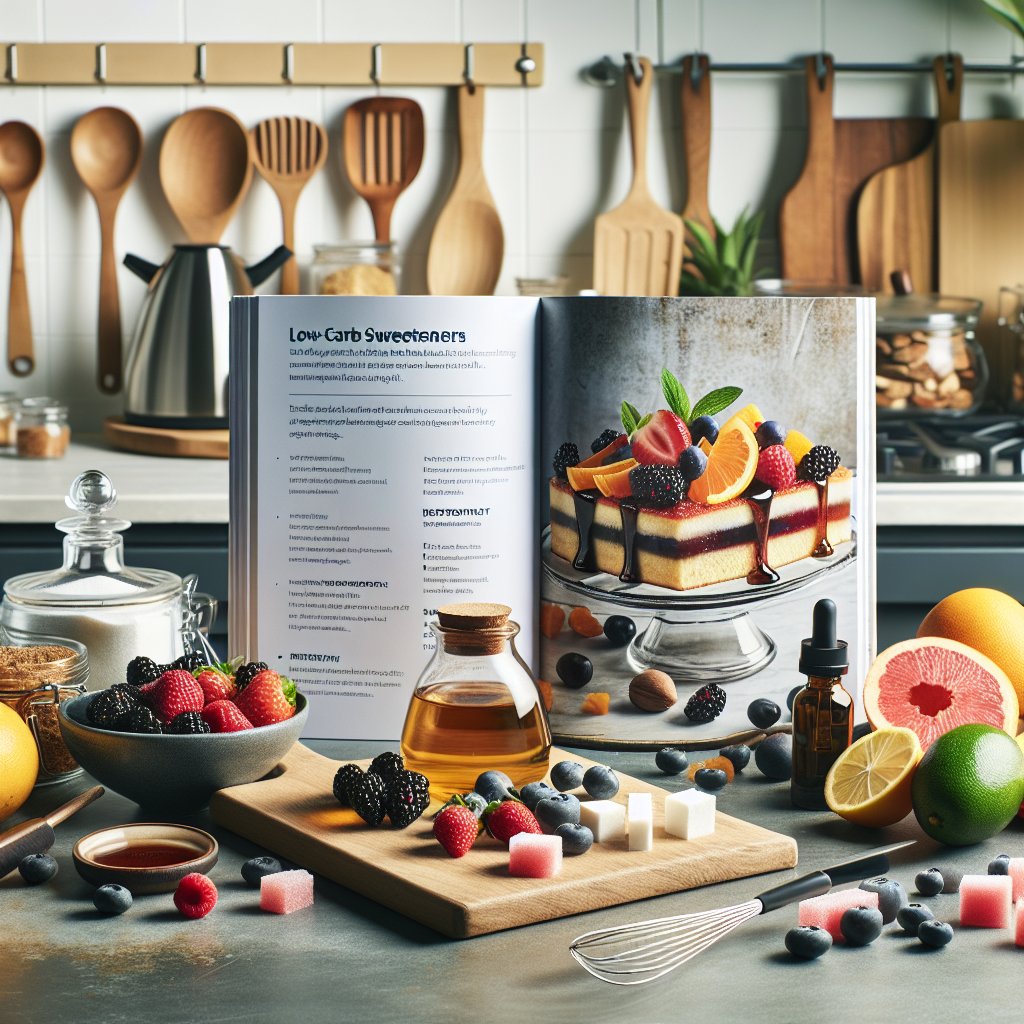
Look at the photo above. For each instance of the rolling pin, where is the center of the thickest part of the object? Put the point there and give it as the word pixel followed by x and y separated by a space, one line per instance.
pixel 36 835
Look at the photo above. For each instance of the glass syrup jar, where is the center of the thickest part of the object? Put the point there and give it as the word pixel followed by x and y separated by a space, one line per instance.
pixel 476 706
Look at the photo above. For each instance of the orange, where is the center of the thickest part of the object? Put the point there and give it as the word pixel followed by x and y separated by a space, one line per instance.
pixel 731 465
pixel 870 782
pixel 987 620
pixel 751 415
pixel 798 445
pixel 616 485
pixel 19 761
pixel 582 477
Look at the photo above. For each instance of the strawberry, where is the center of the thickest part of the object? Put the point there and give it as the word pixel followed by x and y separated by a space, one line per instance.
pixel 508 819
pixel 195 896
pixel 215 684
pixel 175 692
pixel 268 698
pixel 456 829
pixel 775 467
pixel 223 716
pixel 661 440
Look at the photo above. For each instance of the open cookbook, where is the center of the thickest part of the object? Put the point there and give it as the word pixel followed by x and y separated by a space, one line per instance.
pixel 699 469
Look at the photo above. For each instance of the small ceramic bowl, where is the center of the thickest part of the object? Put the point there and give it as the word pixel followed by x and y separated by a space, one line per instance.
pixel 144 857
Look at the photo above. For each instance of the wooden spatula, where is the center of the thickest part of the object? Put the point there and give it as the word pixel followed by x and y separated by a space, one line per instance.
pixel 695 100
pixel 288 151
pixel 638 246
pixel 383 150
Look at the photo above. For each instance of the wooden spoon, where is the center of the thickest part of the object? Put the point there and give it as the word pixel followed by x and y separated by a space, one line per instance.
pixel 383 139
pixel 695 100
pixel 287 152
pixel 21 162
pixel 638 246
pixel 205 169
pixel 106 149
pixel 468 244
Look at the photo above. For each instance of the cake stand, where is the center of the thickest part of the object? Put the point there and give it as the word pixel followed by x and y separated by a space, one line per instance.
pixel 703 635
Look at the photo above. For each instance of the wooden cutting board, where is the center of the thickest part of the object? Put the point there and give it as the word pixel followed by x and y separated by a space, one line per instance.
pixel 296 816
pixel 981 222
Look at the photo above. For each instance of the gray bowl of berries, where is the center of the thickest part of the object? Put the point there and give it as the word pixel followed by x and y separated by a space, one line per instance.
pixel 172 742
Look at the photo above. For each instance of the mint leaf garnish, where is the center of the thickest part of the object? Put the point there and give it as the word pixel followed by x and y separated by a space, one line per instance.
pixel 630 417
pixel 715 401
pixel 675 395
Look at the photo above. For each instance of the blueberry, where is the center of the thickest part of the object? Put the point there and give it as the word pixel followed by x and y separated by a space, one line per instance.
pixel 556 810
pixel 533 792
pixel 493 786
pixel 860 730
pixel 930 882
pixel 935 934
pixel 601 782
pixel 671 762
pixel 567 775
pixel 808 941
pixel 475 802
pixel 738 754
pixel 704 426
pixel 256 867
pixel 576 839
pixel 575 670
pixel 912 916
pixel 791 695
pixel 112 899
pixel 770 432
pixel 692 462
pixel 37 868
pixel 999 865
pixel 620 630
pixel 710 779
pixel 774 756
pixel 861 925
pixel 763 713
pixel 891 896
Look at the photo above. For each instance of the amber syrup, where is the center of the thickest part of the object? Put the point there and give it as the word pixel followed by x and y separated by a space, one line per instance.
pixel 147 855
pixel 455 731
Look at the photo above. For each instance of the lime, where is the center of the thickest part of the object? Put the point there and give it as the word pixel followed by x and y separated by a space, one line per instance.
pixel 969 785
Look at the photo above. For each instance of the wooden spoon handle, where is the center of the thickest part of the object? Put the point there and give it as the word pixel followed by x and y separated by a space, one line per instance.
pixel 821 146
pixel 108 375
pixel 20 356
pixel 471 128
pixel 289 284
pixel 695 100
pixel 948 90
pixel 638 96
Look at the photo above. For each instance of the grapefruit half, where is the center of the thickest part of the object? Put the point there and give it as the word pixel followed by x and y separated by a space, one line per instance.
pixel 932 685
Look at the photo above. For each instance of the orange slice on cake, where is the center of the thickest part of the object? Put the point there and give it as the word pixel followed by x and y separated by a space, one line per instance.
pixel 732 463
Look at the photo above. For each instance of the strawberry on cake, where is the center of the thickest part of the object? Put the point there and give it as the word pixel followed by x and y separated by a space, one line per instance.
pixel 677 501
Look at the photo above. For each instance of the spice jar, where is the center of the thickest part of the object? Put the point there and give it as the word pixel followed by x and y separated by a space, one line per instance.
pixel 42 429
pixel 37 674
pixel 355 268
pixel 9 403
pixel 476 706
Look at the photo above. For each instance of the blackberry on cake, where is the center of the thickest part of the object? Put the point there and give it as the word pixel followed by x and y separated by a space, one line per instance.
pixel 604 439
pixel 567 455
pixel 657 486
pixel 819 463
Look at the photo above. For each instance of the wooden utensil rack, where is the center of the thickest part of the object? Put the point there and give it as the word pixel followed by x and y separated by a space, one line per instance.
pixel 408 64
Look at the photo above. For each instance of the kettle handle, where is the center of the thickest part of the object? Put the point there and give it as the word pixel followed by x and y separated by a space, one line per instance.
pixel 259 272
pixel 140 267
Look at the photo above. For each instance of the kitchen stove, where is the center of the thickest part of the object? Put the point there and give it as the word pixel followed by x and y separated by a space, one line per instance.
pixel 982 447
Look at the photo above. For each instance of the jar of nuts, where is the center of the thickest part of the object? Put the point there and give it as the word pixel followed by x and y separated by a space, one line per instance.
pixel 926 358
pixel 355 268
pixel 9 403
pixel 42 430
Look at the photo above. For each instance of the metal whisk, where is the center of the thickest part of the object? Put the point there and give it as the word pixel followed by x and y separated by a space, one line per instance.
pixel 637 953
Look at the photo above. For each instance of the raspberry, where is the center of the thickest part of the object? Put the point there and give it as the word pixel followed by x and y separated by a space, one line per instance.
pixel 819 463
pixel 195 896
pixel 658 486
pixel 406 796
pixel 343 778
pixel 142 670
pixel 387 765
pixel 775 467
pixel 706 704
pixel 603 440
pixel 567 455
pixel 188 723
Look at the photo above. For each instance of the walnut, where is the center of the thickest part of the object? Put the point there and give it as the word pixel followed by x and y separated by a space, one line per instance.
pixel 652 691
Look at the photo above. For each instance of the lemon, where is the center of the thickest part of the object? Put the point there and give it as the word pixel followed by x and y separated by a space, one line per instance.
pixel 869 784
pixel 19 761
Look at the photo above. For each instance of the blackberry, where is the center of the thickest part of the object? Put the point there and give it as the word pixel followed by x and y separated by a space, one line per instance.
pixel 344 777
pixel 659 486
pixel 142 670
pixel 132 692
pixel 187 724
pixel 706 704
pixel 140 719
pixel 387 765
pixel 108 708
pixel 406 796
pixel 567 455
pixel 819 463
pixel 366 794
pixel 190 662
pixel 604 439
pixel 245 674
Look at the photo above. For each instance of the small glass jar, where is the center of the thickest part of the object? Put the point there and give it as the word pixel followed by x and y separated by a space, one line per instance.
pixel 9 403
pixel 543 287
pixel 355 268
pixel 42 429
pixel 476 706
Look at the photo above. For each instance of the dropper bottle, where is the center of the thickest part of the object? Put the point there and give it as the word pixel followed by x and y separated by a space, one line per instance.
pixel 822 710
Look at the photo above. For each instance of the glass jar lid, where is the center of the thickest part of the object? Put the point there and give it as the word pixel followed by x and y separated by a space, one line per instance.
pixel 93 572
pixel 926 311
pixel 43 410
pixel 355 251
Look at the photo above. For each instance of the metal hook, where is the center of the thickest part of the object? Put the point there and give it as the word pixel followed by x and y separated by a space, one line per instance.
pixel 375 63
pixel 525 64
pixel 101 63
pixel 201 63
pixel 604 73
pixel 634 66
pixel 698 67
pixel 467 71
pixel 12 62
pixel 821 65
pixel 288 74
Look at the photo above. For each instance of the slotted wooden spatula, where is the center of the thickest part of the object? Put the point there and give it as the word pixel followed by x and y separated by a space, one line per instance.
pixel 638 246
pixel 288 151
pixel 383 150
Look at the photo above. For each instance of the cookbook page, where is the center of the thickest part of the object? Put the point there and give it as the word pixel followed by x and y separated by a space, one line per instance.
pixel 392 470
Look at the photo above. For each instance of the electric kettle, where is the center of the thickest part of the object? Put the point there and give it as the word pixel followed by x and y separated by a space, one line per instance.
pixel 177 373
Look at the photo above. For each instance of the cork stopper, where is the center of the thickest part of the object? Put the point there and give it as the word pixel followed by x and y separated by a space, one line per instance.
pixel 473 615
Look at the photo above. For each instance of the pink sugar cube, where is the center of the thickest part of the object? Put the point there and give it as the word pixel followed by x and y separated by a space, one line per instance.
pixel 827 911
pixel 1018 925
pixel 986 901
pixel 285 891
pixel 533 856
pixel 1016 871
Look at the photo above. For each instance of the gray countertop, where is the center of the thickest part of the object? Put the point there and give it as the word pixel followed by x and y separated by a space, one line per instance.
pixel 348 959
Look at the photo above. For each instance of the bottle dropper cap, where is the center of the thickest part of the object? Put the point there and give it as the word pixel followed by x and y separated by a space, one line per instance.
pixel 822 654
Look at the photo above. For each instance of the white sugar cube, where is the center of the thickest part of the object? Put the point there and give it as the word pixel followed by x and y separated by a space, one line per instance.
pixel 605 818
pixel 690 814
pixel 640 821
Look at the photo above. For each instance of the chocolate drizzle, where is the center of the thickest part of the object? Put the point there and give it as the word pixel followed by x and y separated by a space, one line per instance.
pixel 761 507
pixel 630 512
pixel 585 503
pixel 822 547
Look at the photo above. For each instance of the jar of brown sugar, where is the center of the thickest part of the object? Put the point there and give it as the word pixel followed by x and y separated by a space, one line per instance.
pixel 9 403
pixel 42 429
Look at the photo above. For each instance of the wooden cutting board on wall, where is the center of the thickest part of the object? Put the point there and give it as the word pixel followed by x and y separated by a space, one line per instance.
pixel 296 816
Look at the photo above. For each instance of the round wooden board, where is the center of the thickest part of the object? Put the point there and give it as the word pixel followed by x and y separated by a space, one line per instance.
pixel 195 444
